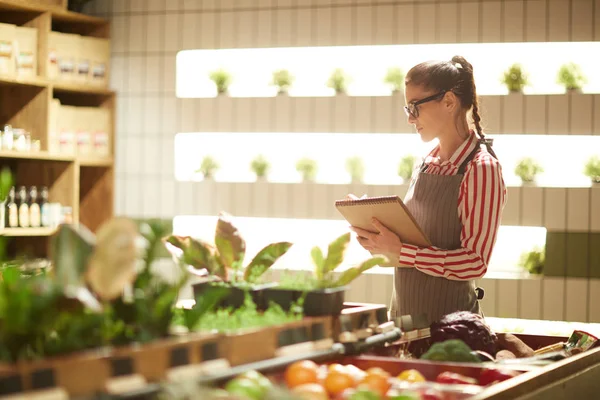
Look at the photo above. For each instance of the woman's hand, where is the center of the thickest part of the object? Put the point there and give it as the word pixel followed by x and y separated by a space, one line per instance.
pixel 379 242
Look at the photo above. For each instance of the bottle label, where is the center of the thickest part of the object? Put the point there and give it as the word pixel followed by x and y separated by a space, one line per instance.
pixel 24 216
pixel 34 215
pixel 13 216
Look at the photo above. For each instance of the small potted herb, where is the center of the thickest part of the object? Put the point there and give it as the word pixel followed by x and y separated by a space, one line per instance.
pixel 406 167
pixel 260 166
pixel 338 81
pixel 356 169
pixel 283 80
pixel 527 169
pixel 395 79
pixel 533 261
pixel 323 291
pixel 515 79
pixel 223 261
pixel 307 168
pixel 208 167
pixel 571 77
pixel 222 80
pixel 592 169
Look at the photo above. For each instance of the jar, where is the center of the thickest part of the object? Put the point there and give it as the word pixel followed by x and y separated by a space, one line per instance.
pixel 7 138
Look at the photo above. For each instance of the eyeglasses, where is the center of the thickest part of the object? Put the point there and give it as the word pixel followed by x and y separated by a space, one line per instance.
pixel 413 107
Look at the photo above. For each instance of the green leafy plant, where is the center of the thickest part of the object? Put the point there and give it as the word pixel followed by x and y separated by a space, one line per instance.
pixel 515 79
pixel 592 169
pixel 533 261
pixel 325 265
pixel 208 167
pixel 406 167
pixel 527 169
pixel 222 80
pixel 571 76
pixel 356 168
pixel 224 260
pixel 307 168
pixel 260 166
pixel 395 79
pixel 6 182
pixel 283 80
pixel 338 81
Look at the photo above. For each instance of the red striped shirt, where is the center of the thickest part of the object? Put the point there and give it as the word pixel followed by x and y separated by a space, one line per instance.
pixel 481 200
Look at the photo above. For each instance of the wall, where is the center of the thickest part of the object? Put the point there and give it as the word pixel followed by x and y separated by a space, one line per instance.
pixel 148 34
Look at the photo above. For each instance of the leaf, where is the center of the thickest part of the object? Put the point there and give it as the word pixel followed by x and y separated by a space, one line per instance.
pixel 317 257
pixel 335 253
pixel 225 251
pixel 205 302
pixel 352 273
pixel 227 231
pixel 196 253
pixel 265 259
pixel 10 275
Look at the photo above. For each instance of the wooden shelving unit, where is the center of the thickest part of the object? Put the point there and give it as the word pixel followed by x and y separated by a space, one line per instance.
pixel 83 182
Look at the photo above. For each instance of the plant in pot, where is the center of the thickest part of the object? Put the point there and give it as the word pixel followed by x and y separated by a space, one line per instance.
pixel 533 261
pixel 260 166
pixel 323 291
pixel 208 167
pixel 527 169
pixel 338 81
pixel 571 77
pixel 221 264
pixel 307 168
pixel 222 79
pixel 395 79
pixel 356 169
pixel 283 80
pixel 6 182
pixel 406 167
pixel 592 169
pixel 515 79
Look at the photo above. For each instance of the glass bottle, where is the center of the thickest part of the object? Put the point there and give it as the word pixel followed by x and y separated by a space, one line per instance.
pixel 12 210
pixel 34 208
pixel 44 206
pixel 23 208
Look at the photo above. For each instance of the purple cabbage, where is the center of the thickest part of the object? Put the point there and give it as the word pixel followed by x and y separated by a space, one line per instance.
pixel 468 327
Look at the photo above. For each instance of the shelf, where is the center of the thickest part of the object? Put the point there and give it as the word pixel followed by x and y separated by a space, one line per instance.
pixel 57 13
pixel 68 87
pixel 95 162
pixel 38 155
pixel 30 82
pixel 27 232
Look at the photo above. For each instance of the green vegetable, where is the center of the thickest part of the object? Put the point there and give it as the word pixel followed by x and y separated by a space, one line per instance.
pixel 245 387
pixel 259 379
pixel 364 394
pixel 453 350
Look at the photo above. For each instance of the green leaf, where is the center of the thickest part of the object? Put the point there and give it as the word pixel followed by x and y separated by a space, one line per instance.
pixel 335 253
pixel 10 275
pixel 225 251
pixel 265 259
pixel 197 253
pixel 352 273
pixel 226 231
pixel 205 302
pixel 317 257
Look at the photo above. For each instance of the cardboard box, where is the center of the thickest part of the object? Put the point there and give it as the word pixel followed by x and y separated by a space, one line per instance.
pixel 67 50
pixel 26 51
pixel 7 44
pixel 54 46
pixel 83 61
pixel 101 132
pixel 100 60
pixel 66 130
pixel 84 122
pixel 53 126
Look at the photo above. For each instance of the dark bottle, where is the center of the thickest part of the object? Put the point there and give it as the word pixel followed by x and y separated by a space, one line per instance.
pixel 12 210
pixel 23 208
pixel 35 219
pixel 44 208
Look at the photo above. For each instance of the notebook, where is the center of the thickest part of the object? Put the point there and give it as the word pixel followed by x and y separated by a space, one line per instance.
pixel 391 211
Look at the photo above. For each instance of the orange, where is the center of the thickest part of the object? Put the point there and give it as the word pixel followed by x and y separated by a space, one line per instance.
pixel 336 367
pixel 378 371
pixel 301 372
pixel 337 381
pixel 376 383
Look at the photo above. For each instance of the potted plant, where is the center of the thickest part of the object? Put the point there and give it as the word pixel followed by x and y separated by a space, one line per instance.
pixel 571 77
pixel 6 182
pixel 222 80
pixel 260 166
pixel 592 169
pixel 283 80
pixel 406 167
pixel 533 261
pixel 208 167
pixel 323 291
pixel 338 81
pixel 356 169
pixel 527 169
pixel 515 79
pixel 307 168
pixel 395 79
pixel 222 262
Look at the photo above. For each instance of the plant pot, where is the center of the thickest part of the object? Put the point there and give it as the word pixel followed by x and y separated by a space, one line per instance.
pixel 316 303
pixel 235 298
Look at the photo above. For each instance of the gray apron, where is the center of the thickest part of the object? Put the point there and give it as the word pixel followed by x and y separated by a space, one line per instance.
pixel 433 201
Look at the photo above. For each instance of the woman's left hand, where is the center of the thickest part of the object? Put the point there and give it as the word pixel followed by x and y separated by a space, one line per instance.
pixel 379 242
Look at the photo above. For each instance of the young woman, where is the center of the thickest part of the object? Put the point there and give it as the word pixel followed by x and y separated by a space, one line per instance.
pixel 456 195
